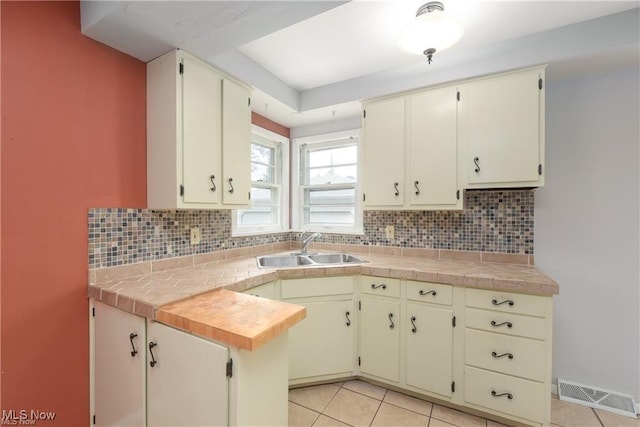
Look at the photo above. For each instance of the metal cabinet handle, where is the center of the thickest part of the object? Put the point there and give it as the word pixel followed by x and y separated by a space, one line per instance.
pixel 231 185
pixel 391 324
pixel 152 345
pixel 507 301
pixel 415 184
pixel 434 293
pixel 498 356
pixel 212 178
pixel 413 322
pixel 382 285
pixel 496 394
pixel 133 335
pixel 395 186
pixel 476 160
pixel 509 324
pixel 347 314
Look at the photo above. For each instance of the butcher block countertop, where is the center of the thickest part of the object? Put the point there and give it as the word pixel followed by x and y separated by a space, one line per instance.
pixel 196 293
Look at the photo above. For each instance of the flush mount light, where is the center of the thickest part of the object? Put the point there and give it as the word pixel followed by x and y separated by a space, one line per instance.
pixel 432 31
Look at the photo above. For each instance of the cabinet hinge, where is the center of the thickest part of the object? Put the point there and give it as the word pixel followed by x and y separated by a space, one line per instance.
pixel 181 68
pixel 540 169
pixel 453 386
pixel 181 190
pixel 458 95
pixel 93 312
pixel 249 102
pixel 364 114
pixel 229 368
pixel 249 195
pixel 359 305
pixel 458 195
pixel 540 84
pixel 453 321
pixel 364 197
pixel 358 360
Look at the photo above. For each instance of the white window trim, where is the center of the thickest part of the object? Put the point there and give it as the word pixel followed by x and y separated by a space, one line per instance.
pixel 297 195
pixel 284 193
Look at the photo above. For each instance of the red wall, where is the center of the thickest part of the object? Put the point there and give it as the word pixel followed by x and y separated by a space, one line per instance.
pixel 73 137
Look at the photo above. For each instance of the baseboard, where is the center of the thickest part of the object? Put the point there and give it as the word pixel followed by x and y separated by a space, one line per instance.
pixel 554 390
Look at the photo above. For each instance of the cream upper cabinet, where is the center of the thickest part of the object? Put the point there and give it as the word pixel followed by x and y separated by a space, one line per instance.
pixel 501 128
pixel 411 151
pixel 432 156
pixel 383 147
pixel 198 136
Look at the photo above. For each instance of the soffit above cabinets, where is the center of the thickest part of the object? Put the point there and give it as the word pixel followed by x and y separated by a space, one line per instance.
pixel 313 61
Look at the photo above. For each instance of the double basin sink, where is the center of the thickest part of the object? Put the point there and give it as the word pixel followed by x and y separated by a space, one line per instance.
pixel 302 260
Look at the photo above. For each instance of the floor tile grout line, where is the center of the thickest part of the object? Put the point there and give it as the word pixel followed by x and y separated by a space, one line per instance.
pixel 379 406
pixel 597 417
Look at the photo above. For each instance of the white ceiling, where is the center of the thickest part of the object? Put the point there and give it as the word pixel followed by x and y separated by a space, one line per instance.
pixel 313 61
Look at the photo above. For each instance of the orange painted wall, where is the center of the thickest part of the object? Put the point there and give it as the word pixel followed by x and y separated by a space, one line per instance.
pixel 73 137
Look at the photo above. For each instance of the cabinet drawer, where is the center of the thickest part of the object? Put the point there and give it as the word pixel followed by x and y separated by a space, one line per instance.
pixel 264 291
pixel 522 357
pixel 435 293
pixel 380 286
pixel 508 302
pixel 317 286
pixel 527 397
pixel 506 323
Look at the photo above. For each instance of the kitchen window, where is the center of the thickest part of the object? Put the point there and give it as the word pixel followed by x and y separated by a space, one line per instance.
pixel 269 212
pixel 327 193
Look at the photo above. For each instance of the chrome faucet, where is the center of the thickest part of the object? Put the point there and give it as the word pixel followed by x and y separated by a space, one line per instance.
pixel 305 240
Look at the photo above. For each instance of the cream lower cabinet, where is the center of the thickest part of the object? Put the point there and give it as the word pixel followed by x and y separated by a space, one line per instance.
pixel 322 346
pixel 268 290
pixel 380 325
pixel 429 338
pixel 507 354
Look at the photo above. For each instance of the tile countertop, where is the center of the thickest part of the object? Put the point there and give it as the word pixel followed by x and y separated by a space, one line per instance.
pixel 197 298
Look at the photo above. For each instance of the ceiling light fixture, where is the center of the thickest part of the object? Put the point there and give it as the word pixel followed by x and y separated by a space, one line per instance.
pixel 432 31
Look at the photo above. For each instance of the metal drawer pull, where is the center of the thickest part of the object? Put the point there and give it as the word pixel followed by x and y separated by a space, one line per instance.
pixel 382 285
pixel 509 324
pixel 494 394
pixel 476 160
pixel 507 301
pixel 434 293
pixel 212 178
pixel 348 319
pixel 133 335
pixel 153 359
pixel 391 325
pixel 395 185
pixel 413 322
pixel 231 190
pixel 415 184
pixel 497 356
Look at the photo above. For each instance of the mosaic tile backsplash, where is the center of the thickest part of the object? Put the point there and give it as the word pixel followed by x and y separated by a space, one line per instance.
pixel 492 221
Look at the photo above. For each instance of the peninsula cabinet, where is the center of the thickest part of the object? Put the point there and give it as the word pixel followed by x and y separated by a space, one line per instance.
pixel 148 373
pixel 198 136
pixel 501 130
pixel 322 346
pixel 411 151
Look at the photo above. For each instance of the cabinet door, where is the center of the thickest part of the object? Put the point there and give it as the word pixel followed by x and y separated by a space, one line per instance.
pixel 119 367
pixel 322 344
pixel 380 338
pixel 383 146
pixel 429 348
pixel 187 384
pixel 433 149
pixel 503 129
pixel 236 143
pixel 201 137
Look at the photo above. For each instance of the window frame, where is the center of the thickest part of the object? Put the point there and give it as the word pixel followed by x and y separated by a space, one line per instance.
pixel 297 186
pixel 269 138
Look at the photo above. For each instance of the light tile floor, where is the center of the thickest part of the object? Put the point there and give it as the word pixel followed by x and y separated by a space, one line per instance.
pixel 357 403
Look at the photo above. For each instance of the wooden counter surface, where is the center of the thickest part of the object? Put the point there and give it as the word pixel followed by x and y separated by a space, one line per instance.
pixel 239 320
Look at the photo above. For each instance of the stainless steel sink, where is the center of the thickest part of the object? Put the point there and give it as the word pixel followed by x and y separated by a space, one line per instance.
pixel 300 260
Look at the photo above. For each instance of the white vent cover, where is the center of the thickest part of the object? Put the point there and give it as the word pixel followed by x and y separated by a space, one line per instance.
pixel 607 400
